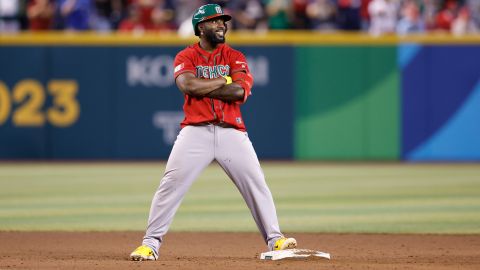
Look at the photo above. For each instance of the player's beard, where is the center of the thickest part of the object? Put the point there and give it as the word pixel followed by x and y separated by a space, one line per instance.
pixel 213 38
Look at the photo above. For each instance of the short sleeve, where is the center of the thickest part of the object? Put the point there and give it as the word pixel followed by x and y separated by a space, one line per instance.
pixel 183 63
pixel 238 62
pixel 241 74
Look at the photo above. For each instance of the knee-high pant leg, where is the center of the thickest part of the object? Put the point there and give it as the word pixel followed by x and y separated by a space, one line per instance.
pixel 236 155
pixel 192 152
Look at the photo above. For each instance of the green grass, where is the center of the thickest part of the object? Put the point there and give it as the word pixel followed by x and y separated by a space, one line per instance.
pixel 310 197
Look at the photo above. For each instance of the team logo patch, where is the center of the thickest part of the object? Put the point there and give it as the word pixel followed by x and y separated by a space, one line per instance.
pixel 239 120
pixel 179 67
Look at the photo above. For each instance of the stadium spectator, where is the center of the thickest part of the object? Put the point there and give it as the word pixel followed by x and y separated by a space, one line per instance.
pixel 10 15
pixel 249 15
pixel 107 14
pixel 74 14
pixel 279 13
pixel 376 16
pixel 365 17
pixel 322 15
pixel 474 8
pixel 410 19
pixel 145 9
pixel 99 18
pixel 446 16
pixel 183 15
pixel 162 16
pixel 155 14
pixel 463 24
pixel 348 15
pixel 300 19
pixel 223 3
pixel 429 10
pixel 40 14
pixel 132 22
pixel 383 16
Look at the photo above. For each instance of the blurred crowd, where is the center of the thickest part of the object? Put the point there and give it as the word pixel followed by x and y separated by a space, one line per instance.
pixel 374 16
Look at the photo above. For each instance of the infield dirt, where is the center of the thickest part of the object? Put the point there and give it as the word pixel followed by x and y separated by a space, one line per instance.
pixel 110 250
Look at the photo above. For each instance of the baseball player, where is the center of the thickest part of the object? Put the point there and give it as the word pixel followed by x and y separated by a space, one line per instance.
pixel 215 81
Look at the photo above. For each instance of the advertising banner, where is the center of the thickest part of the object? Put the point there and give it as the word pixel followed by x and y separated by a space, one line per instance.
pixel 72 102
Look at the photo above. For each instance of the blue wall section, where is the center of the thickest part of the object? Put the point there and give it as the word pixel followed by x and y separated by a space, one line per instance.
pixel 436 87
pixel 129 105
pixel 17 64
pixel 459 138
pixel 414 101
pixel 269 112
pixel 91 136
pixel 144 86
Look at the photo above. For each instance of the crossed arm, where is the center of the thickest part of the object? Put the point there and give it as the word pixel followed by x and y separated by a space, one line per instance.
pixel 212 88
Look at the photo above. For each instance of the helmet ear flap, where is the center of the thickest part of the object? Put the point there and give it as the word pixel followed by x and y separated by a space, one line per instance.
pixel 197 29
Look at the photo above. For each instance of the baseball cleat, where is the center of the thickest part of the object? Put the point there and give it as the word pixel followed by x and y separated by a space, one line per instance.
pixel 143 253
pixel 285 243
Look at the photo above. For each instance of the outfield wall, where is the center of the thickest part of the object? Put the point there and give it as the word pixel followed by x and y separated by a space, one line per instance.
pixel 339 97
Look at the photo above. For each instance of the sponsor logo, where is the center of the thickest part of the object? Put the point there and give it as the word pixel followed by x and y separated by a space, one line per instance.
pixel 243 64
pixel 179 67
pixel 156 70
pixel 150 71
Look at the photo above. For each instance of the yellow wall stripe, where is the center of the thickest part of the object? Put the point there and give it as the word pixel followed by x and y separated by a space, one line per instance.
pixel 235 38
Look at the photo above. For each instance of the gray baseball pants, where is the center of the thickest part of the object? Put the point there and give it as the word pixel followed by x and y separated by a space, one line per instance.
pixel 195 148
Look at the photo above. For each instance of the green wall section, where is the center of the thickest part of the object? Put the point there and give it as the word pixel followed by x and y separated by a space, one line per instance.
pixel 347 103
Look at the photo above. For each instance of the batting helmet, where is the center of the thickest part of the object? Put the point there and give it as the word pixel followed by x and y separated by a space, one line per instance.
pixel 207 12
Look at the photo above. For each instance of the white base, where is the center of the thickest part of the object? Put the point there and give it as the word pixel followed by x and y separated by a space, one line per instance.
pixel 292 253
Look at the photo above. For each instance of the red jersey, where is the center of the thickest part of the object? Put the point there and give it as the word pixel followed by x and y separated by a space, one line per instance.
pixel 221 62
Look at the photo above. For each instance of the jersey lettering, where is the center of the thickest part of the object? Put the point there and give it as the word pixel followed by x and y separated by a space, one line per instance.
pixel 212 72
